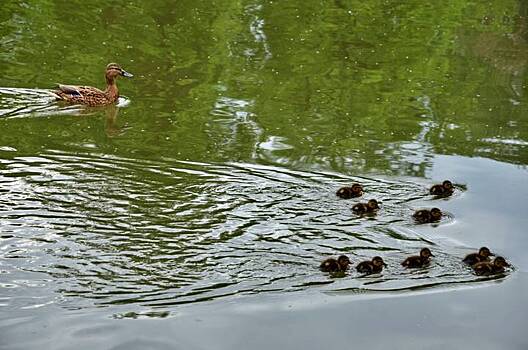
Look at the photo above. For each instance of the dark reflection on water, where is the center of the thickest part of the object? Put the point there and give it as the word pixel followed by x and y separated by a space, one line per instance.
pixel 119 231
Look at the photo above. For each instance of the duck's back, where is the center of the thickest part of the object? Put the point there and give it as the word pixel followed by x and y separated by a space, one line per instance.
pixel 365 267
pixel 360 208
pixel 330 265
pixel 414 261
pixel 345 193
pixel 473 258
pixel 483 268
pixel 87 95
pixel 436 190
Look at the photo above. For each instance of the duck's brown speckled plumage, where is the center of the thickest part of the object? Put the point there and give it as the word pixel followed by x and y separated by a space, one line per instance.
pixel 92 96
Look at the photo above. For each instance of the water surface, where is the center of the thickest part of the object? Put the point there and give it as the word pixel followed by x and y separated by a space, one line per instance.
pixel 210 187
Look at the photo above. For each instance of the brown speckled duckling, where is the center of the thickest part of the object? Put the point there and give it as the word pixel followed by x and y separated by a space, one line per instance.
pixel 483 255
pixel 485 268
pixel 424 216
pixel 92 96
pixel 370 207
pixel 444 189
pixel 333 265
pixel 348 192
pixel 418 260
pixel 373 266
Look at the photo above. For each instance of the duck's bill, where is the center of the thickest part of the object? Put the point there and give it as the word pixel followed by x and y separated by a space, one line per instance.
pixel 126 74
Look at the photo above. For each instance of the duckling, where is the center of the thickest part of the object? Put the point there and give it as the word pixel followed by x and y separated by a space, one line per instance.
pixel 348 192
pixel 373 266
pixel 436 214
pixel 483 255
pixel 444 189
pixel 369 207
pixel 333 265
pixel 424 216
pixel 485 268
pixel 91 96
pixel 418 260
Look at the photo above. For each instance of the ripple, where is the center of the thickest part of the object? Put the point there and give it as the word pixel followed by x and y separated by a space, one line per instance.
pixel 24 103
pixel 113 230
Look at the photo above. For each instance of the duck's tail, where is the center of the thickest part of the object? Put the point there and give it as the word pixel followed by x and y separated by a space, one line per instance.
pixel 53 93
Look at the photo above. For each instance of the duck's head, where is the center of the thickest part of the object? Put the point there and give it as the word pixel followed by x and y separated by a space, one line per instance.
pixel 378 261
pixel 357 189
pixel 485 252
pixel 113 70
pixel 500 262
pixel 448 185
pixel 436 214
pixel 425 253
pixel 373 204
pixel 343 261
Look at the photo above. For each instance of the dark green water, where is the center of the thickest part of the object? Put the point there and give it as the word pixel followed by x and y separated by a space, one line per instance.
pixel 195 213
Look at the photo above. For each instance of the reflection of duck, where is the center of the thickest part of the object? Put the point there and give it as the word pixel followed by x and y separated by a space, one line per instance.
pixel 333 265
pixel 418 260
pixel 424 216
pixel 112 129
pixel 369 207
pixel 91 96
pixel 348 192
pixel 444 189
pixel 482 255
pixel 373 266
pixel 485 268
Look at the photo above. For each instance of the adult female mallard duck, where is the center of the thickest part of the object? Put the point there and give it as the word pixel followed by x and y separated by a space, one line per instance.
pixel 483 255
pixel 348 192
pixel 370 207
pixel 91 96
pixel 373 266
pixel 418 260
pixel 485 268
pixel 333 265
pixel 444 189
pixel 424 216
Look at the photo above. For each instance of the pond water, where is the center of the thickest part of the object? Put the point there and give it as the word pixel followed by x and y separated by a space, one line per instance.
pixel 195 213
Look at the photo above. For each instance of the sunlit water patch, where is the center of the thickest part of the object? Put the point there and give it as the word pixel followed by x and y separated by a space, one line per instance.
pixel 106 230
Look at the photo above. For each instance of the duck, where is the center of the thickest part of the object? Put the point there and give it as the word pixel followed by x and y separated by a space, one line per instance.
pixel 482 255
pixel 424 216
pixel 418 260
pixel 373 266
pixel 444 189
pixel 370 207
pixel 92 96
pixel 347 192
pixel 336 265
pixel 486 268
